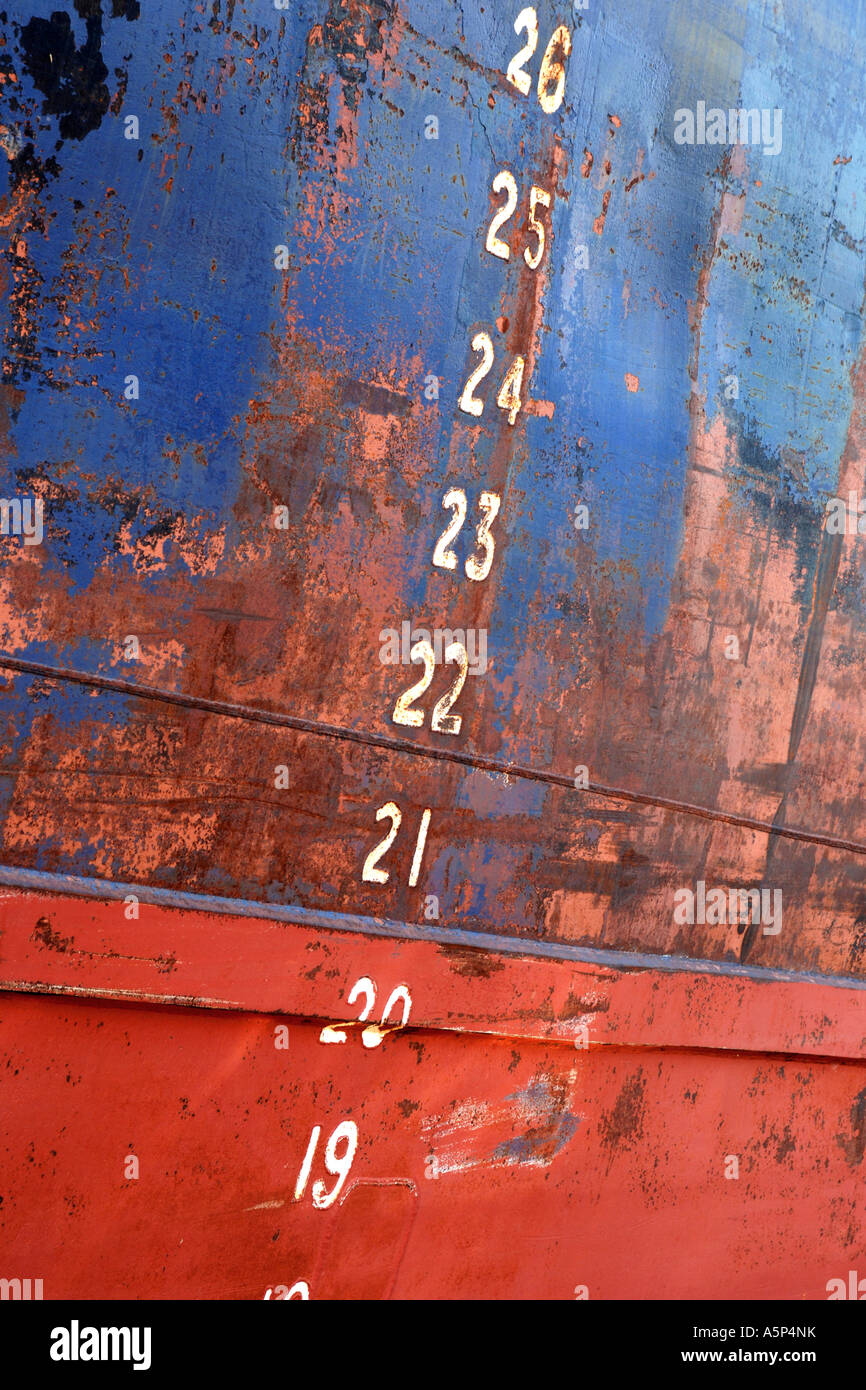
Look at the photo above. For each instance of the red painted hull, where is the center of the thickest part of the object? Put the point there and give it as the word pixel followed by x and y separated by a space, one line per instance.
pixel 495 1159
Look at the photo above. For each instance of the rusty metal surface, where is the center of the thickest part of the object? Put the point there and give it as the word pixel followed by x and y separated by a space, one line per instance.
pixel 494 1158
pixel 306 963
pixel 242 274
pixel 304 387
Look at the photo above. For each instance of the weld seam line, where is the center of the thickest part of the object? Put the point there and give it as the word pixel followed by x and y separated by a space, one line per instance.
pixel 227 709
pixel 183 1001
pixel 603 959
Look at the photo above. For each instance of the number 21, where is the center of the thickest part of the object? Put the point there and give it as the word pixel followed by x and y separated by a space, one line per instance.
pixel 391 811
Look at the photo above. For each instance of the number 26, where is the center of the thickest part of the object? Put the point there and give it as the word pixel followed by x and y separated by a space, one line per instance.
pixel 551 77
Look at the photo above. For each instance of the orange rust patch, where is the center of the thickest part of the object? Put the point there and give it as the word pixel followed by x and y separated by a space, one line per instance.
pixel 598 224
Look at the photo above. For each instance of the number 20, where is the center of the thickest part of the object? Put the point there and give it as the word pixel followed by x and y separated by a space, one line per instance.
pixel 374 1033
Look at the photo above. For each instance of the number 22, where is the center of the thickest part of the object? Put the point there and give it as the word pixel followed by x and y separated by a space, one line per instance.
pixel 442 722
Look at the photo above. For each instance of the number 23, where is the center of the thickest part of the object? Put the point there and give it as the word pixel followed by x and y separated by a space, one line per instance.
pixel 444 557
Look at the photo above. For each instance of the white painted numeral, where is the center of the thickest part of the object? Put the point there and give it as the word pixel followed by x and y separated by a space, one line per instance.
pixel 469 402
pixel 551 76
pixel 337 1166
pixel 479 569
pixel 370 874
pixel 442 722
pixel 400 993
pixel 332 1032
pixel 419 849
pixel 363 986
pixel 516 74
pixel 374 1033
pixel 504 182
pixel 509 392
pixel 304 1175
pixel 403 711
pixel 282 1292
pixel 536 196
pixel 442 556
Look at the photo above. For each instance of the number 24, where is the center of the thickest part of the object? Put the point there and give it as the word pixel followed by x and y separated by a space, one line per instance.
pixel 509 392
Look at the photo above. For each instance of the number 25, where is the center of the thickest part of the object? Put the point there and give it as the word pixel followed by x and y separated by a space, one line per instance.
pixel 494 244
